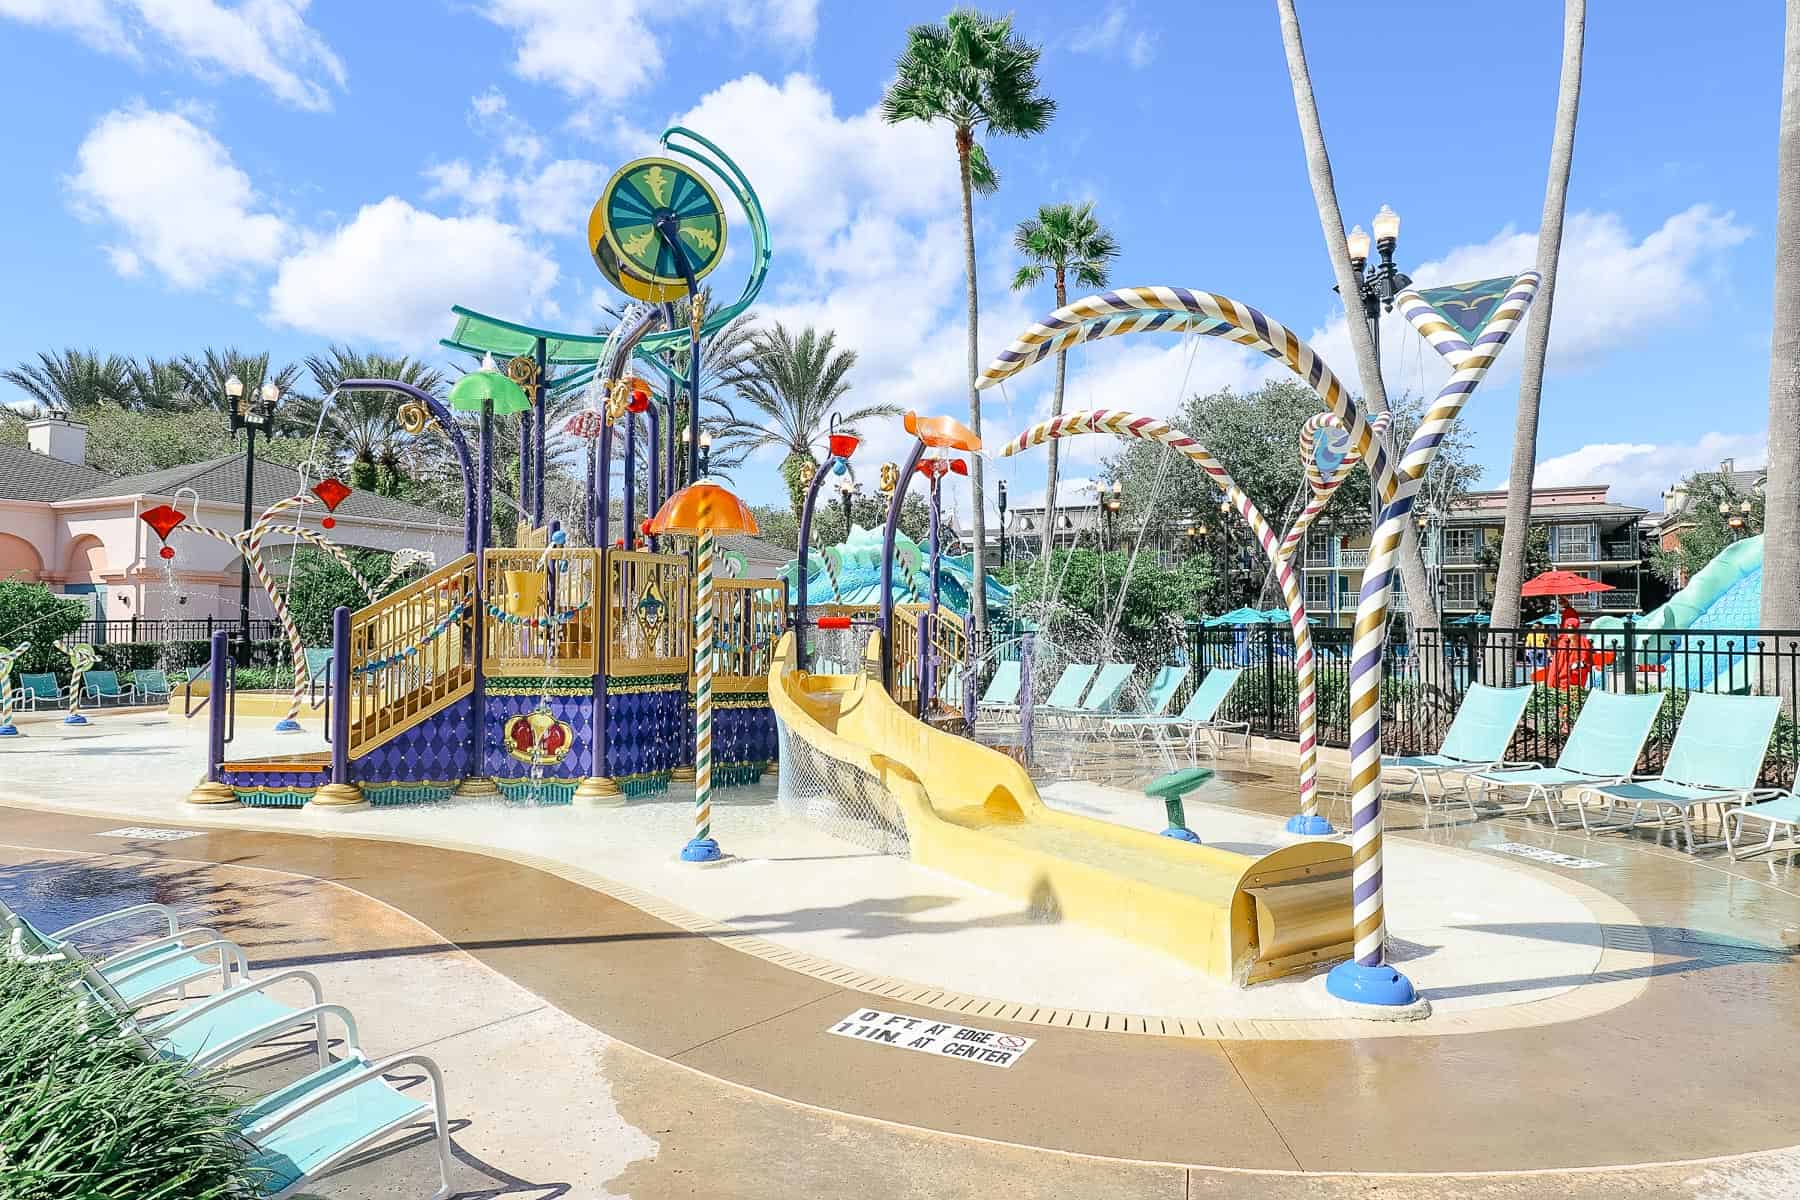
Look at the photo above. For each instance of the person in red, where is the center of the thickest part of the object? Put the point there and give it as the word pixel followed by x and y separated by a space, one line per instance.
pixel 1573 658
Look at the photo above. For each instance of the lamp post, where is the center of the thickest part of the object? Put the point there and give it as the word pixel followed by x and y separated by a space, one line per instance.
pixel 1737 517
pixel 1377 284
pixel 1225 540
pixel 705 456
pixel 250 415
pixel 1002 498
pixel 1195 533
pixel 848 491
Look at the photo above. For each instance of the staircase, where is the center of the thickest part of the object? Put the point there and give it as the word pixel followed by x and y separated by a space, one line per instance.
pixel 411 654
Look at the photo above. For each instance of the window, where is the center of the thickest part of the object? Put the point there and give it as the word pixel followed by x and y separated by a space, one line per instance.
pixel 1460 545
pixel 1318 549
pixel 1318 592
pixel 1462 590
pixel 1573 543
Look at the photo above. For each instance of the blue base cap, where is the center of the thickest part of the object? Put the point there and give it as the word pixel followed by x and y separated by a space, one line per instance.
pixel 701 850
pixel 74 719
pixel 1313 826
pixel 1181 834
pixel 1370 985
pixel 9 730
pixel 288 725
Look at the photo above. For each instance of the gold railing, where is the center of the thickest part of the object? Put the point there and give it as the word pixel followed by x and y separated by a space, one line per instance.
pixel 411 654
pixel 749 617
pixel 650 616
pixel 950 641
pixel 551 622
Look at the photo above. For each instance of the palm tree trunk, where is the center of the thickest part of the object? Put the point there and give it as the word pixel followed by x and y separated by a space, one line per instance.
pixel 1056 407
pixel 978 601
pixel 1781 520
pixel 1519 483
pixel 1421 604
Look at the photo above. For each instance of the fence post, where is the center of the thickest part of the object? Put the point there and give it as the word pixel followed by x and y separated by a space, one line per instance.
pixel 1629 657
pixel 1269 677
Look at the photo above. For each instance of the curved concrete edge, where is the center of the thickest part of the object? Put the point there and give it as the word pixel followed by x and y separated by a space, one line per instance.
pixel 1620 976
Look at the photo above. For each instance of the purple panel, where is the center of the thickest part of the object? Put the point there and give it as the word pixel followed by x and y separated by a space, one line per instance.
pixel 575 711
pixel 644 732
pixel 437 749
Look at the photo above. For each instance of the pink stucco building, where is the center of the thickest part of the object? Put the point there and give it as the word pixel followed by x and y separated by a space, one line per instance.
pixel 76 529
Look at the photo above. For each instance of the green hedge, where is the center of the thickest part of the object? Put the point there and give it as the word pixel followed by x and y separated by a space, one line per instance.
pixel 84 1114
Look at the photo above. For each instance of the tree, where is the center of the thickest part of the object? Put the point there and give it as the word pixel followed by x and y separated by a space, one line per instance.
pixel 796 383
pixel 1421 608
pixel 72 381
pixel 970 72
pixel 1537 336
pixel 1073 599
pixel 207 372
pixel 1063 239
pixel 361 426
pixel 1537 561
pixel 30 612
pixel 1704 531
pixel 1781 554
pixel 318 585
pixel 157 385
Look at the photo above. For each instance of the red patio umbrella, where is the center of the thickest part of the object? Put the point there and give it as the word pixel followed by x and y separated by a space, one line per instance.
pixel 1562 583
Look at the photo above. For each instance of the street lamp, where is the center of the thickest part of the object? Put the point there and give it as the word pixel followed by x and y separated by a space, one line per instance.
pixel 249 415
pixel 1109 510
pixel 849 490
pixel 1737 518
pixel 1377 285
pixel 1002 490
pixel 1225 538
pixel 687 437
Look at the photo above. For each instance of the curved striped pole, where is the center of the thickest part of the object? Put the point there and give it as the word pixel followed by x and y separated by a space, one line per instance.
pixel 1367 977
pixel 1150 429
pixel 702 848
pixel 81 660
pixel 8 657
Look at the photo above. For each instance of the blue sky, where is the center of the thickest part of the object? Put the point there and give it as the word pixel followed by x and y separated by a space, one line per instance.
pixel 188 172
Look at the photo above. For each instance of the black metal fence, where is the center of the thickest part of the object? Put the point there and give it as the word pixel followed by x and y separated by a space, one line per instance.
pixel 1423 683
pixel 185 629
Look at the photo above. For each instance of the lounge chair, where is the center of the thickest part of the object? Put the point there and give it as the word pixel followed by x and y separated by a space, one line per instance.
pixel 1066 695
pixel 1002 694
pixel 318 672
pixel 1476 741
pixel 1100 698
pixel 1716 756
pixel 302 1129
pixel 141 972
pixel 1199 715
pixel 41 689
pixel 1781 810
pixel 152 686
pixel 1161 692
pixel 101 686
pixel 1602 748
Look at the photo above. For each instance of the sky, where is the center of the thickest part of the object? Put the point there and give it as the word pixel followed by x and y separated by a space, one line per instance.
pixel 284 175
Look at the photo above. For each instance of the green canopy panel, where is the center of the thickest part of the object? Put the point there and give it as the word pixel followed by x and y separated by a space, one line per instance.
pixel 478 387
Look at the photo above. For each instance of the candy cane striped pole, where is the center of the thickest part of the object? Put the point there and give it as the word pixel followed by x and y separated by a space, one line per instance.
pixel 703 847
pixel 81 660
pixel 7 697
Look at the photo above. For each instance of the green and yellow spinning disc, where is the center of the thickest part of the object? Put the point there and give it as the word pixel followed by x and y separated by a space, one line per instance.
pixel 640 196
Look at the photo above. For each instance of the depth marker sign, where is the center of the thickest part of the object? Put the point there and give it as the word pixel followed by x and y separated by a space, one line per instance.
pixel 945 1039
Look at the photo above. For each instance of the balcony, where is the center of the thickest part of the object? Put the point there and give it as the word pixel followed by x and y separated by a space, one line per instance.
pixel 1620 601
pixel 1461 558
pixel 1352 560
pixel 1576 554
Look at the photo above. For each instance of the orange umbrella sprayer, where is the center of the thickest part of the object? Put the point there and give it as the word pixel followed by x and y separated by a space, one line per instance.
pixel 701 511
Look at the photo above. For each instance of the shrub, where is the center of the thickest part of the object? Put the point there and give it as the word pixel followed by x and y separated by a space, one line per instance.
pixel 30 612
pixel 84 1113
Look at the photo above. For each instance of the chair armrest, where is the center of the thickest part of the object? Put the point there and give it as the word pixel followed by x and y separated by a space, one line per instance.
pixel 228 953
pixel 108 918
pixel 182 1016
pixel 272 1029
pixel 282 1116
pixel 172 939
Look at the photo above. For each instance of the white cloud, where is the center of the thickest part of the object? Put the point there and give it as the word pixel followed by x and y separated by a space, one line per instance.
pixel 392 273
pixel 1112 36
pixel 1640 471
pixel 606 50
pixel 173 191
pixel 1611 291
pixel 514 182
pixel 265 40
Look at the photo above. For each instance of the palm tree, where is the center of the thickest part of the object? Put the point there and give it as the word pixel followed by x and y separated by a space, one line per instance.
pixel 796 383
pixel 1421 602
pixel 970 72
pixel 363 426
pixel 71 380
pixel 1511 575
pixel 1781 558
pixel 158 385
pixel 207 372
pixel 1064 240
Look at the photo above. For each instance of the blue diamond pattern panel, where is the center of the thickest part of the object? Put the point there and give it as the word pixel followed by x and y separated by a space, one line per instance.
pixel 439 748
pixel 743 734
pixel 644 732
pixel 575 711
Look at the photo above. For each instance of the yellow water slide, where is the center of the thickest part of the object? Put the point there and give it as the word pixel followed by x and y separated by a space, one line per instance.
pixel 973 812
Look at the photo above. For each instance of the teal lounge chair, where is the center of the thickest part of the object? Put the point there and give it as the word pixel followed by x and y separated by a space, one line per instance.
pixel 1716 756
pixel 1002 692
pixel 141 972
pixel 1476 741
pixel 1780 811
pixel 1108 683
pixel 1603 748
pixel 1066 695
pixel 101 686
pixel 1161 692
pixel 41 689
pixel 318 672
pixel 1200 715
pixel 152 686
pixel 302 1129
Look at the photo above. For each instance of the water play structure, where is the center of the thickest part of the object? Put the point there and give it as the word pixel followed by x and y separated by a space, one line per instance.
pixel 1700 638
